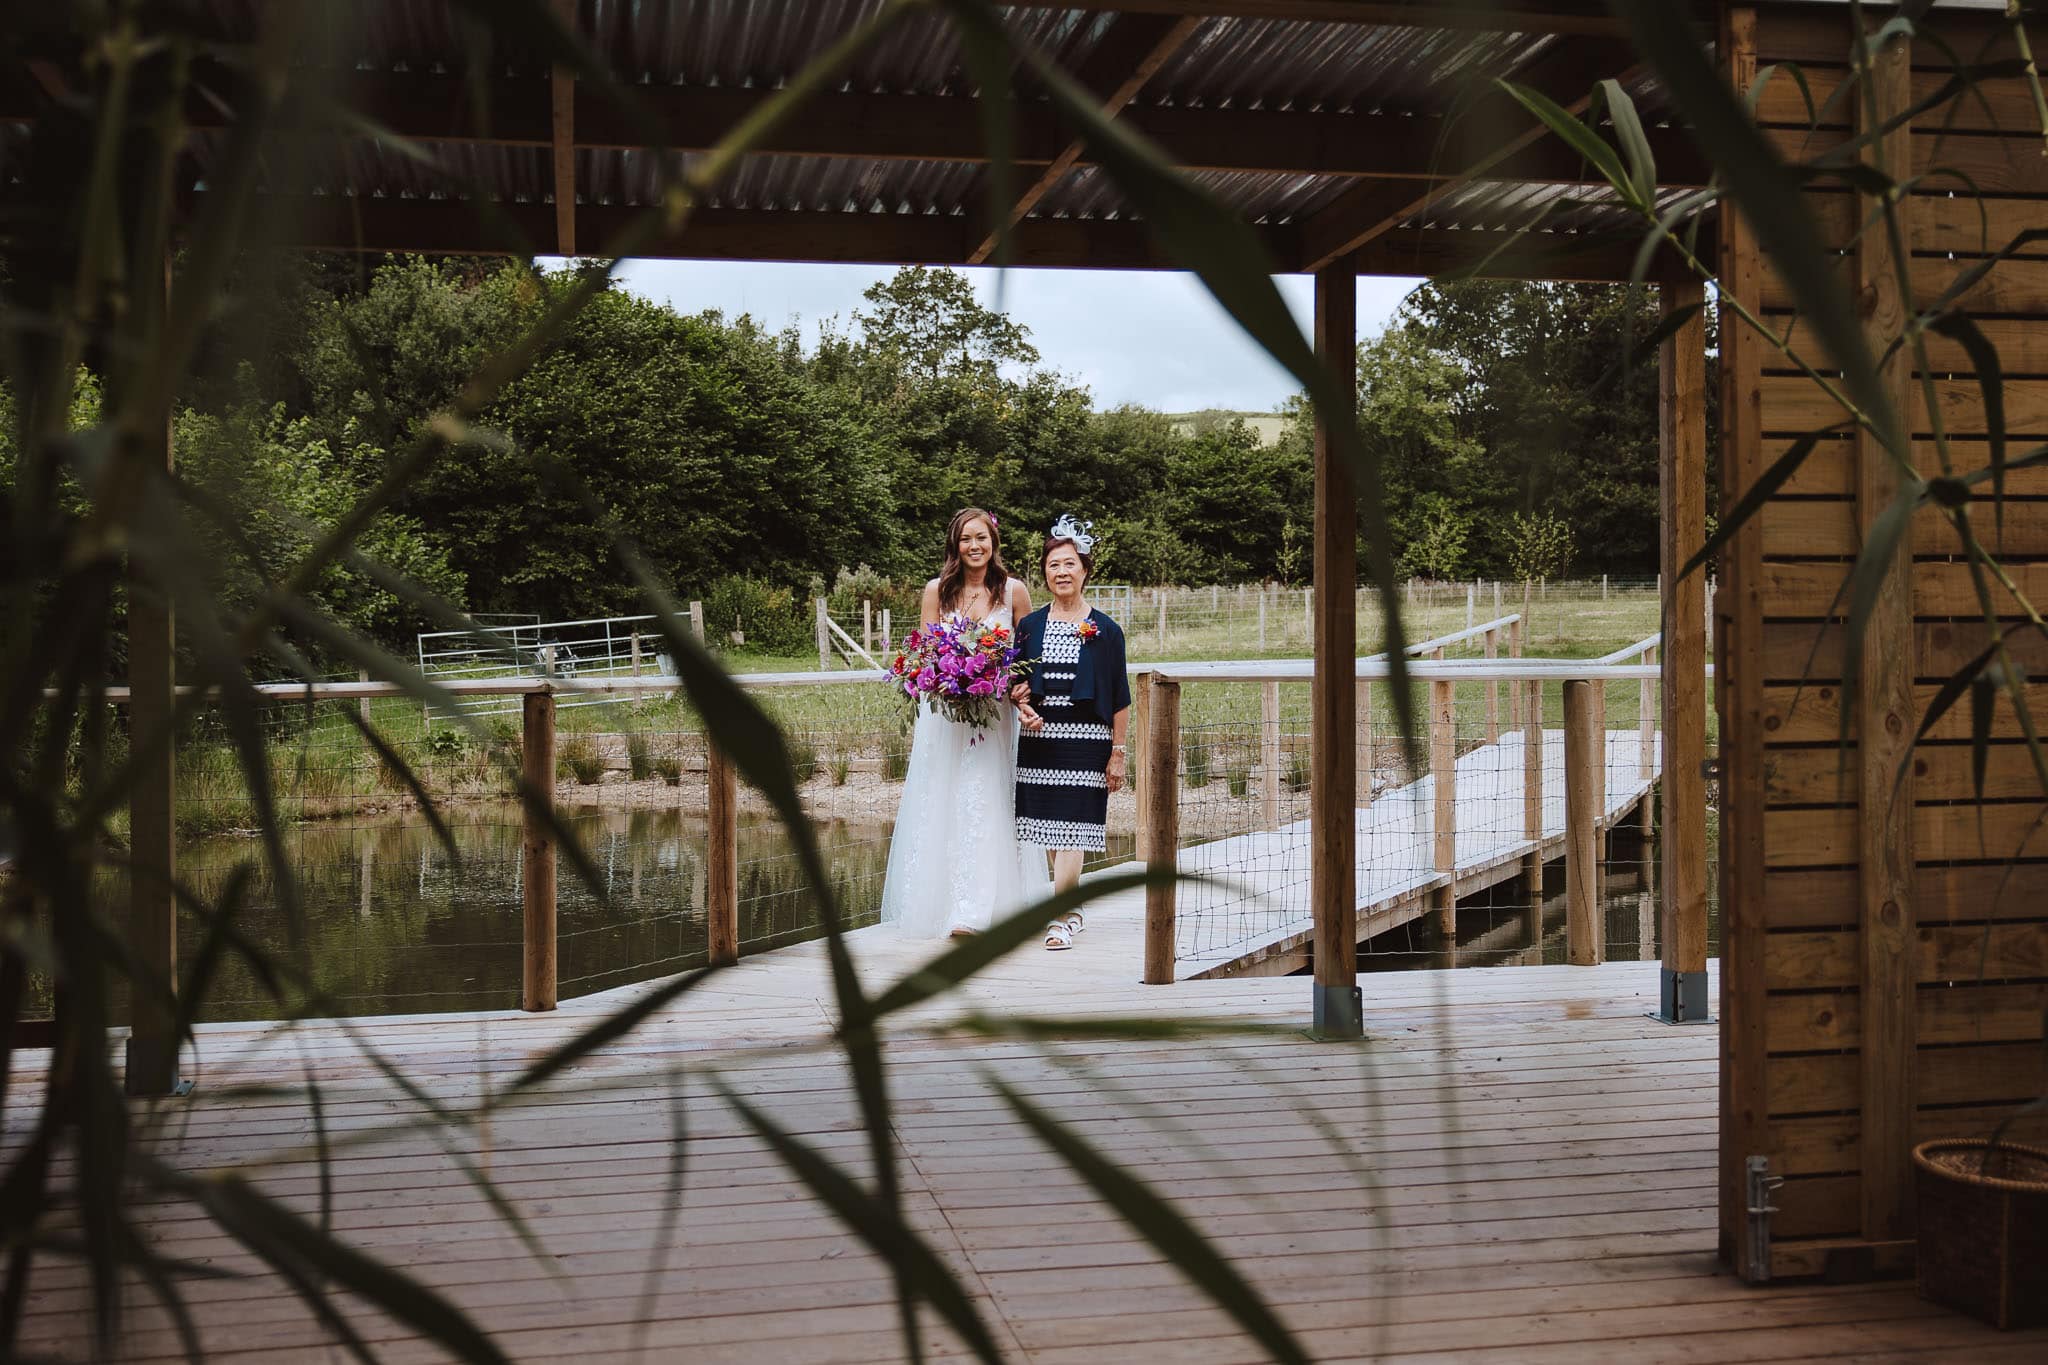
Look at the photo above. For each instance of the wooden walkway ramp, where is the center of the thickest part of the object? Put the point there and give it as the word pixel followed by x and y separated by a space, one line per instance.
pixel 1515 1165
pixel 1259 921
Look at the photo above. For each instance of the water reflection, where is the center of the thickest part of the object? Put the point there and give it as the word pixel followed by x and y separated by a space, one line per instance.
pixel 394 925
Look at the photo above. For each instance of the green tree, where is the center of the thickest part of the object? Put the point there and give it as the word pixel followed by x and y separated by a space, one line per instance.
pixel 929 319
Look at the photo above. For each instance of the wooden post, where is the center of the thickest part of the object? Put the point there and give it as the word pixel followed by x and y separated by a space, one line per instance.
pixel 824 634
pixel 1738 685
pixel 697 621
pixel 1646 722
pixel 1270 775
pixel 1492 689
pixel 1496 599
pixel 1333 805
pixel 537 853
pixel 1368 751
pixel 636 668
pixel 1163 797
pixel 1137 758
pixel 1308 612
pixel 1159 631
pixel 1514 689
pixel 867 624
pixel 1682 409
pixel 1528 613
pixel 1471 605
pixel 1582 803
pixel 363 703
pixel 888 633
pixel 1532 788
pixel 1443 771
pixel 1262 618
pixel 721 856
pixel 1886 716
pixel 150 1064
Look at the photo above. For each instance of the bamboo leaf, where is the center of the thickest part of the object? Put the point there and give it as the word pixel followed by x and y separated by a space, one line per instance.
pixel 288 1242
pixel 970 955
pixel 1755 496
pixel 1945 697
pixel 1576 135
pixel 1159 1223
pixel 1635 144
pixel 607 1030
pixel 878 1223
pixel 1991 380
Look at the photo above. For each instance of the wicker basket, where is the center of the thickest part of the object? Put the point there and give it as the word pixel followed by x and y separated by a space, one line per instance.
pixel 1984 1234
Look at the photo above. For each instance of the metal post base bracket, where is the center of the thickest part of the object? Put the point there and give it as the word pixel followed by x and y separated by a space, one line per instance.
pixel 1339 1012
pixel 151 1068
pixel 1683 999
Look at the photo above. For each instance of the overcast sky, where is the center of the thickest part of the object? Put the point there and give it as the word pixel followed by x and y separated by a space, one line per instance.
pixel 1144 337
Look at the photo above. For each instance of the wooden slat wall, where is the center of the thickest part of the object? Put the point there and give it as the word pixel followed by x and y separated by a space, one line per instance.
pixel 1891 958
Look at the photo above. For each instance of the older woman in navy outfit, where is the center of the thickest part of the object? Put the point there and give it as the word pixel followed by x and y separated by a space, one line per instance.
pixel 1074 706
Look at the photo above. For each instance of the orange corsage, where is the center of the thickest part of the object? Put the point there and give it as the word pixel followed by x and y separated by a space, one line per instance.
pixel 1088 630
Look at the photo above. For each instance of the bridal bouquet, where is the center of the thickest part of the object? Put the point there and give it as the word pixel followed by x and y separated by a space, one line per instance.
pixel 961 667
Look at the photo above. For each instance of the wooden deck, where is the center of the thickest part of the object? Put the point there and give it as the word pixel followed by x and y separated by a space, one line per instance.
pixel 1270 930
pixel 1516 1166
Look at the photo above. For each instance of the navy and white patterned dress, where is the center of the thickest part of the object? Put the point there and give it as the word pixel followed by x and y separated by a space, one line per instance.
pixel 1062 793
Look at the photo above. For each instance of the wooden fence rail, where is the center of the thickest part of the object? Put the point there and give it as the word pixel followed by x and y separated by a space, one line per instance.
pixel 1157 728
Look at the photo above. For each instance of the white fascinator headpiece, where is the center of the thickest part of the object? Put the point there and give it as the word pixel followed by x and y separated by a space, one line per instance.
pixel 1080 532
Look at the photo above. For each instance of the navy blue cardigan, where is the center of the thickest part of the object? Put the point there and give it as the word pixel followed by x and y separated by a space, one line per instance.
pixel 1102 669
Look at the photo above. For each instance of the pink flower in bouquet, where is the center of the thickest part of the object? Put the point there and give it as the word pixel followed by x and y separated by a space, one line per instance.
pixel 981 687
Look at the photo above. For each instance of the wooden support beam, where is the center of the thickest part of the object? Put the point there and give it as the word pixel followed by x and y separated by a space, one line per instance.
pixel 1162 794
pixel 1682 481
pixel 1886 715
pixel 721 856
pixel 537 981
pixel 1493 127
pixel 1738 686
pixel 562 141
pixel 1128 55
pixel 151 1062
pixel 1583 800
pixel 1333 804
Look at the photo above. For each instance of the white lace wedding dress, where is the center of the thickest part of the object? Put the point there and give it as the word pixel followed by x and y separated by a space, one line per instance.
pixel 954 860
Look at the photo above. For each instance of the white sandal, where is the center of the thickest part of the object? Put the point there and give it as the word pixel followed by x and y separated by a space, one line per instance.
pixel 1072 919
pixel 1058 936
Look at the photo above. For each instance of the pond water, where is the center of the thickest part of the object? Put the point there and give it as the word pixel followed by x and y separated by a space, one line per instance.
pixel 394 925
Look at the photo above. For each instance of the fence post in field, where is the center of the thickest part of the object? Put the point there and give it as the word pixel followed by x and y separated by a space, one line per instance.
pixel 888 633
pixel 537 853
pixel 697 621
pixel 1269 754
pixel 1138 757
pixel 1532 790
pixel 824 634
pixel 1159 600
pixel 1262 618
pixel 1528 613
pixel 721 855
pixel 1215 598
pixel 637 697
pixel 867 624
pixel 1492 689
pixel 1496 599
pixel 1308 613
pixel 363 703
pixel 1443 771
pixel 1583 799
pixel 1471 604
pixel 1162 795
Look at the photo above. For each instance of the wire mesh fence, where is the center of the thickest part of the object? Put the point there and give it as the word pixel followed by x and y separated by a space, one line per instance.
pixel 1251 621
pixel 1461 828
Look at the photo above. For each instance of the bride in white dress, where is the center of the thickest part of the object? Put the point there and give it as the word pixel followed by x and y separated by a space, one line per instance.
pixel 955 865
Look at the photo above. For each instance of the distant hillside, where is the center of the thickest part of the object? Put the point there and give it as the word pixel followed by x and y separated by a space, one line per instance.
pixel 1268 425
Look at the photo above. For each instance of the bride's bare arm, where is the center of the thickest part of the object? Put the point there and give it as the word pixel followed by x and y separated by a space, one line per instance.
pixel 928 611
pixel 1020 599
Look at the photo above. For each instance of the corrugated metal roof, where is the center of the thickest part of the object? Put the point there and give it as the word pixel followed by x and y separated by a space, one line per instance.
pixel 1229 63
